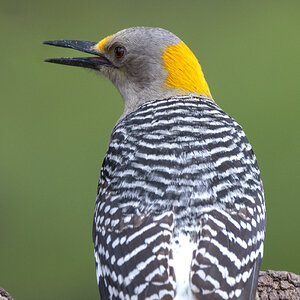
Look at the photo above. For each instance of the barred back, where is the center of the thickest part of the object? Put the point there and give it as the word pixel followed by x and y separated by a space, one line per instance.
pixel 180 207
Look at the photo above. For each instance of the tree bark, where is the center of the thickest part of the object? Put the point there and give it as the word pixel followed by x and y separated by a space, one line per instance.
pixel 272 285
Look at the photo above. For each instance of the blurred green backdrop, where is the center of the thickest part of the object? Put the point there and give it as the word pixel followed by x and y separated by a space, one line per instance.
pixel 55 123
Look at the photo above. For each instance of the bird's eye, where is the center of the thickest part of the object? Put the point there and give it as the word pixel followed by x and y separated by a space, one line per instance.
pixel 119 52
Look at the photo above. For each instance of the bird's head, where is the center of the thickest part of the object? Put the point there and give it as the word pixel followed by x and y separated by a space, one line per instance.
pixel 143 63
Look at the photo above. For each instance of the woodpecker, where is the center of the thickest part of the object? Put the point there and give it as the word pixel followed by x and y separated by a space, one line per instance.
pixel 180 211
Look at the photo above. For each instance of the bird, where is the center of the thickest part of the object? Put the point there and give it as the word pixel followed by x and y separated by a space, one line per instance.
pixel 180 210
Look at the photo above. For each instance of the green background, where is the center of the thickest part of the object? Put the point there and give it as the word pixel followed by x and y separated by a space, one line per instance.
pixel 55 123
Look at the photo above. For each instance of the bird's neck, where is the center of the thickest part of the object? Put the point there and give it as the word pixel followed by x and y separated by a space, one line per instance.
pixel 184 71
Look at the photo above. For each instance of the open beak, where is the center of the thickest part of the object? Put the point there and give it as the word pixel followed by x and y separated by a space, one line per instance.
pixel 87 62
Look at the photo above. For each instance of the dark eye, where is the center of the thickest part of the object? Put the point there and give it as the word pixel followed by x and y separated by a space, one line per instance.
pixel 119 52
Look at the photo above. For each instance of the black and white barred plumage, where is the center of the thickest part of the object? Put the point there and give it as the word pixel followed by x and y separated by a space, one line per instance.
pixel 180 210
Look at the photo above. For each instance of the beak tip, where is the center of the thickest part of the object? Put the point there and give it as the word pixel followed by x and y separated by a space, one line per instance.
pixel 52 43
pixel 52 60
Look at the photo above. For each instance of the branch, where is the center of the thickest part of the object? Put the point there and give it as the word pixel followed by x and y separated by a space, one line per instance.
pixel 272 285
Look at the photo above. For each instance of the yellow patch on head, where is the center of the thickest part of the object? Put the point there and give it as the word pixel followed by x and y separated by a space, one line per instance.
pixel 184 70
pixel 101 44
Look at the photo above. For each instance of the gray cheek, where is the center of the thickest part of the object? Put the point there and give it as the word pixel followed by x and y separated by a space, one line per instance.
pixel 144 72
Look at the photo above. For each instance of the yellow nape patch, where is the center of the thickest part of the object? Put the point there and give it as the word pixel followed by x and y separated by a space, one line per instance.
pixel 101 44
pixel 185 73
